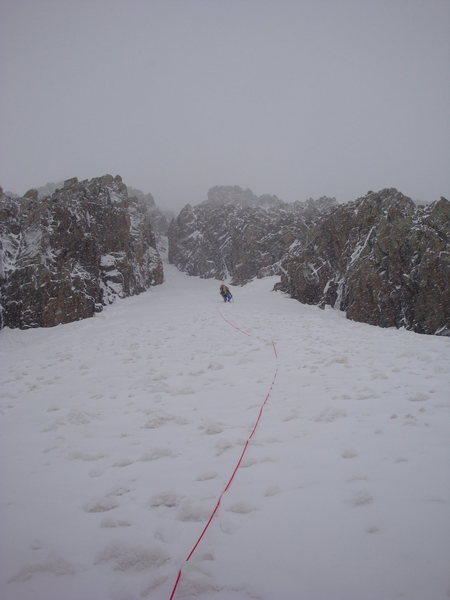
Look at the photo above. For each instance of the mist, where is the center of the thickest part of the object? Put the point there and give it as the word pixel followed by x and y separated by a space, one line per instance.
pixel 294 98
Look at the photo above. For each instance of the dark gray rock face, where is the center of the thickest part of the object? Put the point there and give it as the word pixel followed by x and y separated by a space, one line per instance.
pixel 382 259
pixel 237 234
pixel 65 256
pixel 160 219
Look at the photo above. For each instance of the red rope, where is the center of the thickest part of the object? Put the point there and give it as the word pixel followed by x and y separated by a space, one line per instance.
pixel 238 464
pixel 274 349
pixel 250 335
pixel 176 585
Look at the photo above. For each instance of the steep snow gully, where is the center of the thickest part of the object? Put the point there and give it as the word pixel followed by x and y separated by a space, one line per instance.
pixel 242 456
pixel 119 434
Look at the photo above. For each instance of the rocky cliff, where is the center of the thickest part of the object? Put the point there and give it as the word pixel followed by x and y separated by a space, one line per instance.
pixel 160 218
pixel 235 234
pixel 382 259
pixel 64 256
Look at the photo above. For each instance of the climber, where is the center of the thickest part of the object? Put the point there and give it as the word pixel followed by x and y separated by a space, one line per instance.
pixel 225 293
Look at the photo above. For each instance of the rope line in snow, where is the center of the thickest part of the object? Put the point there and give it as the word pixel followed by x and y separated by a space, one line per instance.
pixel 238 464
pixel 250 334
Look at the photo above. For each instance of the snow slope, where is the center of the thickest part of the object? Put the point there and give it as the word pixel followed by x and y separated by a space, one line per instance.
pixel 119 433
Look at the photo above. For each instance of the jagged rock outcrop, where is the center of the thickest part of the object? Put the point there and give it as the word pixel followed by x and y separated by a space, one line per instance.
pixel 65 256
pixel 237 235
pixel 382 259
pixel 221 195
pixel 160 218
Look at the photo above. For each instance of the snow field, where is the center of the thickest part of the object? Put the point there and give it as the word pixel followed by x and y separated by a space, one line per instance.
pixel 119 433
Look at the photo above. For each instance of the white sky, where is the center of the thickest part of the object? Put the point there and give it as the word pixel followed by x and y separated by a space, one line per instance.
pixel 297 98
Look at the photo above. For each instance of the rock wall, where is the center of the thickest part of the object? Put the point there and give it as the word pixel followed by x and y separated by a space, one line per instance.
pixel 237 235
pixel 382 259
pixel 160 219
pixel 65 256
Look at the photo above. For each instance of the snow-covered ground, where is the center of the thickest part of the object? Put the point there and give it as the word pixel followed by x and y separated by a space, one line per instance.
pixel 119 433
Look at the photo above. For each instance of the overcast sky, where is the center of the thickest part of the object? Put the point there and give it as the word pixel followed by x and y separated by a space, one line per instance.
pixel 296 98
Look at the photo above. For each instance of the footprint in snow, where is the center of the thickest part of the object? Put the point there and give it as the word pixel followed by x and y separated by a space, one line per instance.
pixel 153 585
pixel 169 499
pixel 350 453
pixel 196 373
pixel 80 417
pixel 410 420
pixel 98 472
pixel 356 478
pixel 186 391
pixel 241 508
pixel 362 498
pixel 158 421
pixel 340 360
pixel 272 440
pixel 188 512
pixel 228 525
pixel 268 459
pixel 161 376
pixel 248 462
pixel 373 529
pixel 123 462
pixel 119 491
pixel 212 428
pixel 168 533
pixel 83 456
pixel 54 564
pixel 222 446
pixel 125 557
pixel 206 476
pixel 273 490
pixel 329 415
pixel 100 505
pixel 291 416
pixel 108 523
pixel 419 397
pixel 156 454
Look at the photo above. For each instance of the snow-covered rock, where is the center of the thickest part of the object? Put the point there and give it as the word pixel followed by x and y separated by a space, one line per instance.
pixel 160 218
pixel 237 235
pixel 382 259
pixel 64 256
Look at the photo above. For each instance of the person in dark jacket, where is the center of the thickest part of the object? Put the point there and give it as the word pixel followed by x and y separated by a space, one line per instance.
pixel 225 293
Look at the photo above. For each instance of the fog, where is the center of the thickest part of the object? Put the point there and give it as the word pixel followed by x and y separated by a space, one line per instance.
pixel 295 98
